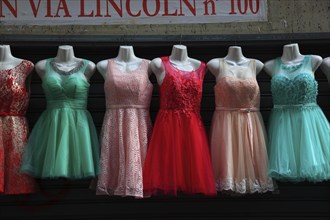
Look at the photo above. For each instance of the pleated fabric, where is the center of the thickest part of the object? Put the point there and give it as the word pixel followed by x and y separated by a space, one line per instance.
pixel 63 142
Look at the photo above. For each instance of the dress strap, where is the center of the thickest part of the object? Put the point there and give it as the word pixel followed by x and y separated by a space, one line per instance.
pixel 48 67
pixel 165 62
pixel 201 70
pixel 278 64
pixel 110 67
pixel 252 66
pixel 307 65
pixel 28 65
pixel 224 66
pixel 83 66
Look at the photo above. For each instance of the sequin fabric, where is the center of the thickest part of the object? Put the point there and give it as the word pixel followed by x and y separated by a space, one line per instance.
pixel 126 130
pixel 294 88
pixel 14 99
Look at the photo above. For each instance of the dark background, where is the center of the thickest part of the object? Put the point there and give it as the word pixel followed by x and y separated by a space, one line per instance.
pixel 64 199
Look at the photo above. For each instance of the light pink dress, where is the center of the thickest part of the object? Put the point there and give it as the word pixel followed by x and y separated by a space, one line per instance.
pixel 238 137
pixel 126 130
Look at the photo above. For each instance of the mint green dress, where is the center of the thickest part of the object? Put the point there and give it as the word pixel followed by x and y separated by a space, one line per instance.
pixel 63 142
pixel 299 133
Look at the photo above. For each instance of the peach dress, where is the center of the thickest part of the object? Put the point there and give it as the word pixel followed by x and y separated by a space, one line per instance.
pixel 238 137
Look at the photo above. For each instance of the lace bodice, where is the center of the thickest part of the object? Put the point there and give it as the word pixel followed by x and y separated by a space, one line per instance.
pixel 14 97
pixel 233 92
pixel 127 88
pixel 66 90
pixel 181 90
pixel 294 84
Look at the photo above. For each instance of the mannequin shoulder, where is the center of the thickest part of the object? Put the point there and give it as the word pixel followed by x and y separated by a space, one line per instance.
pixel 213 66
pixel 326 63
pixel 259 65
pixel 40 68
pixel 102 67
pixel 157 66
pixel 41 65
pixel 269 66
pixel 325 67
pixel 90 69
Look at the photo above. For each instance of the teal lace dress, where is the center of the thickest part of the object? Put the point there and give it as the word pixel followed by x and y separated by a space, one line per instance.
pixel 63 142
pixel 299 133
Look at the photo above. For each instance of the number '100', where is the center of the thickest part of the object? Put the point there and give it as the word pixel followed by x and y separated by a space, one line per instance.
pixel 243 6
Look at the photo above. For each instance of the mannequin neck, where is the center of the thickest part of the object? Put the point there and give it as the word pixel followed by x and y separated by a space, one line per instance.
pixel 126 54
pixel 235 54
pixel 179 53
pixel 291 53
pixel 65 54
pixel 5 53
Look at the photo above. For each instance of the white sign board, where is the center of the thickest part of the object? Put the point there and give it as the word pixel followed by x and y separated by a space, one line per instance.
pixel 114 12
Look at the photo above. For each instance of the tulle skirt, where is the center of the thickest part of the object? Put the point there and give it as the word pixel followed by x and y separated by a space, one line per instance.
pixel 124 139
pixel 63 143
pixel 178 158
pixel 299 144
pixel 239 152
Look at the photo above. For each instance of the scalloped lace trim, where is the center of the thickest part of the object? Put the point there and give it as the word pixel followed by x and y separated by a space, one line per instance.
pixel 245 185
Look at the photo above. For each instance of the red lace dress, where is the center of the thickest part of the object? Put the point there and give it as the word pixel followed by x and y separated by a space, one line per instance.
pixel 14 129
pixel 178 157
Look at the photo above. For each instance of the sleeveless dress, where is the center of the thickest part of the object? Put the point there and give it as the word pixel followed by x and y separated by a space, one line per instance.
pixel 178 158
pixel 63 142
pixel 126 130
pixel 299 133
pixel 237 135
pixel 14 129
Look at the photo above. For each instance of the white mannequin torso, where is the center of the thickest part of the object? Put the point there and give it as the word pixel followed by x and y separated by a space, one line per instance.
pixel 65 61
pixel 7 60
pixel 125 60
pixel 178 58
pixel 291 55
pixel 234 59
pixel 326 67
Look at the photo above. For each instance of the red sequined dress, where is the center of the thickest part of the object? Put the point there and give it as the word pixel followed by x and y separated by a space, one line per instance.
pixel 178 157
pixel 14 99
